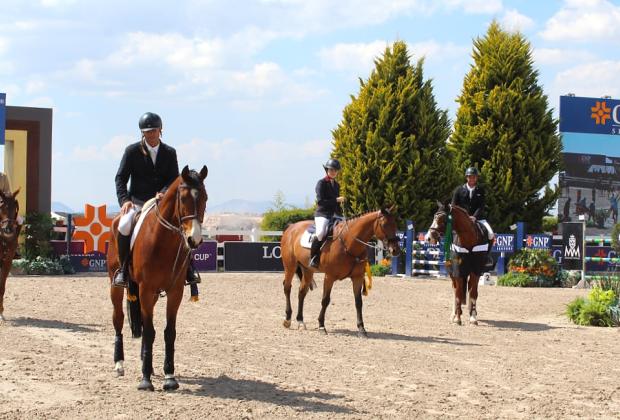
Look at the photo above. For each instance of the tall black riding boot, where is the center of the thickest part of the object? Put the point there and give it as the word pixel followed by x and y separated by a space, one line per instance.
pixel 121 276
pixel 193 277
pixel 315 253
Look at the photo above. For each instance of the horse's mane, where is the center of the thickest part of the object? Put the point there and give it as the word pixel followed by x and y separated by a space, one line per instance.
pixel 357 216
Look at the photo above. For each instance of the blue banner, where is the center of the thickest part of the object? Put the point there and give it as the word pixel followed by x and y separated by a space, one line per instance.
pixel 504 242
pixel 589 115
pixel 2 116
pixel 538 241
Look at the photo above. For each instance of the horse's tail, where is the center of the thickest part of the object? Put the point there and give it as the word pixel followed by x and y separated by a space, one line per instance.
pixel 300 275
pixel 134 314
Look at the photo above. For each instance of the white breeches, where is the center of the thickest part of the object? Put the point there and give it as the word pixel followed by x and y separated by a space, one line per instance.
pixel 20 220
pixel 321 227
pixel 126 222
pixel 488 227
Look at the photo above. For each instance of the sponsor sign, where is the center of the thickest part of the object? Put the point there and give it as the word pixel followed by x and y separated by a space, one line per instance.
pixel 252 256
pixel 205 256
pixel 538 241
pixel 572 245
pixel 2 116
pixel 589 115
pixel 504 242
pixel 95 262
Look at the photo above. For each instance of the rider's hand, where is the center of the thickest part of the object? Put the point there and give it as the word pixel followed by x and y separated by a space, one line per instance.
pixel 159 196
pixel 341 199
pixel 127 205
pixel 473 218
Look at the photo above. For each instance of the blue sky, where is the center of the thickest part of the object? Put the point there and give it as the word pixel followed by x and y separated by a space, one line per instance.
pixel 253 88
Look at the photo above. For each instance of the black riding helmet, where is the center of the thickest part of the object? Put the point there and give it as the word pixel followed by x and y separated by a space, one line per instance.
pixel 333 164
pixel 149 121
pixel 471 171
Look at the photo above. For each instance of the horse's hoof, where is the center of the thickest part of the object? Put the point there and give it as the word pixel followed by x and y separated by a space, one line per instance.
pixel 323 330
pixel 119 369
pixel 2 319
pixel 287 323
pixel 301 325
pixel 170 384
pixel 473 321
pixel 361 333
pixel 146 385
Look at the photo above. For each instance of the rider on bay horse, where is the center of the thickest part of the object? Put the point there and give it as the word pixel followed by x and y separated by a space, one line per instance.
pixel 328 201
pixel 5 187
pixel 470 196
pixel 152 167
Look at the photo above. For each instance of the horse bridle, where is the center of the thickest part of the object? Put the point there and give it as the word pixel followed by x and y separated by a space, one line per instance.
pixel 367 244
pixel 5 222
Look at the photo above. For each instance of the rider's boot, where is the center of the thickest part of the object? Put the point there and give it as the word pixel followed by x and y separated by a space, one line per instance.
pixel 17 255
pixel 489 260
pixel 121 277
pixel 193 277
pixel 315 253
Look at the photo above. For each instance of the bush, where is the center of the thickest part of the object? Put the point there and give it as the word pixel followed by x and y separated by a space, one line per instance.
pixel 381 269
pixel 550 224
pixel 600 309
pixel 615 237
pixel 538 264
pixel 43 266
pixel 280 219
pixel 609 282
pixel 38 233
pixel 515 279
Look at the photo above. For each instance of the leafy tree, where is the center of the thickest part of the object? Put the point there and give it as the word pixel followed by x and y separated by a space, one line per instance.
pixel 38 233
pixel 505 127
pixel 392 141
pixel 275 219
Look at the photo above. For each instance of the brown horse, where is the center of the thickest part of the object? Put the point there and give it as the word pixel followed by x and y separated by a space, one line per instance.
pixel 465 269
pixel 158 264
pixel 342 256
pixel 9 232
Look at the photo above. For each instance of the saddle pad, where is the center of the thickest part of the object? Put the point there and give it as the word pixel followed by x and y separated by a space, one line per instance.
pixel 145 209
pixel 306 239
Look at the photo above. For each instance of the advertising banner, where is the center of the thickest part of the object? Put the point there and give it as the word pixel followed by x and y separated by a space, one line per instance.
pixel 573 249
pixel 205 256
pixel 589 115
pixel 504 242
pixel 252 256
pixel 538 241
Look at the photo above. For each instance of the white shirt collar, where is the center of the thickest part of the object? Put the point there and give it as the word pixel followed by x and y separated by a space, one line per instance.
pixel 153 149
pixel 470 188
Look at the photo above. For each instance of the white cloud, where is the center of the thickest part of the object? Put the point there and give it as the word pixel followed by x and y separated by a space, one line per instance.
pixel 4 45
pixel 56 3
pixel 584 21
pixel 592 79
pixel 515 21
pixel 41 102
pixel 477 6
pixel 558 56
pixel 112 150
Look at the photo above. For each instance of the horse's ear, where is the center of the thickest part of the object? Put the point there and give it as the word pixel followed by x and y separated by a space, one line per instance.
pixel 392 209
pixel 204 172
pixel 16 192
pixel 440 205
pixel 185 172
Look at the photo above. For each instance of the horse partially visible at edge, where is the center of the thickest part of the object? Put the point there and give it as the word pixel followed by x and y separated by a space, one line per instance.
pixel 9 232
pixel 468 262
pixel 158 264
pixel 343 255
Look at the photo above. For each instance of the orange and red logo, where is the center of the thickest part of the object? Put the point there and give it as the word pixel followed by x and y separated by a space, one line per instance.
pixel 93 228
pixel 601 112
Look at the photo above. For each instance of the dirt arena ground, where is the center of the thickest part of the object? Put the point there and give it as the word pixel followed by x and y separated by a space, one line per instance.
pixel 235 360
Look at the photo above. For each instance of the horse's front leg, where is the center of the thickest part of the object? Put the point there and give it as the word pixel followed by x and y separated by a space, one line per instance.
pixel 170 333
pixel 287 284
pixel 328 283
pixel 358 283
pixel 147 304
pixel 459 297
pixel 4 272
pixel 473 296
pixel 116 295
pixel 306 280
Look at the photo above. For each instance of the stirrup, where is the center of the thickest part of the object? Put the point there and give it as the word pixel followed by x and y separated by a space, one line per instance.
pixel 195 278
pixel 116 282
pixel 315 262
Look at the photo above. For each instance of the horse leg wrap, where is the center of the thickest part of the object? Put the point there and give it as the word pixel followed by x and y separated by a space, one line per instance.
pixel 119 354
pixel 169 337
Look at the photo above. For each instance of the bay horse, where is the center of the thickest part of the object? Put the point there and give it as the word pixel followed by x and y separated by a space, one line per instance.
pixel 344 255
pixel 158 264
pixel 9 232
pixel 466 266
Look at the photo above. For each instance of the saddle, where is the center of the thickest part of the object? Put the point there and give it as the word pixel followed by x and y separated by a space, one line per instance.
pixel 139 218
pixel 308 236
pixel 483 230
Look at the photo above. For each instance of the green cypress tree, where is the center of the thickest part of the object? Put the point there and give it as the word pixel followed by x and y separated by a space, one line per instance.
pixel 392 141
pixel 505 128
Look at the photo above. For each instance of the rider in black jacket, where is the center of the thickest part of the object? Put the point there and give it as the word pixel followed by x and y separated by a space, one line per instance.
pixel 152 166
pixel 328 200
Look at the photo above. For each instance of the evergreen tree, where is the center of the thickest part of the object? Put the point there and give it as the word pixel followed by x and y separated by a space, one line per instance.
pixel 505 128
pixel 392 141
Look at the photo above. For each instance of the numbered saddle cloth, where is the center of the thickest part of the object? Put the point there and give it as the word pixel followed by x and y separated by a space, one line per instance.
pixel 465 262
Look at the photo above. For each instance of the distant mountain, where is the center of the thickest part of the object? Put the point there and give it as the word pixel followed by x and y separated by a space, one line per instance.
pixel 240 206
pixel 57 206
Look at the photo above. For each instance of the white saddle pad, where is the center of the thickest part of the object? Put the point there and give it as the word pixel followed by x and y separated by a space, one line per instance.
pixel 145 209
pixel 306 239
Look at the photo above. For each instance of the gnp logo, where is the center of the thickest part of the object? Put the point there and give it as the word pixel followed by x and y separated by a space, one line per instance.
pixel 601 113
pixel 93 228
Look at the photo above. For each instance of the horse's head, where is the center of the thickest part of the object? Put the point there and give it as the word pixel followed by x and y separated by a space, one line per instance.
pixel 385 229
pixel 9 207
pixel 192 204
pixel 438 227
